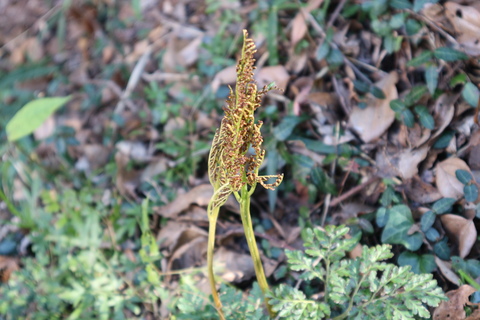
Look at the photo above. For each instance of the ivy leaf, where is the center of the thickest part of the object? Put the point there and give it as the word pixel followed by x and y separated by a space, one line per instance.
pixel 424 263
pixel 441 249
pixel 408 118
pixel 285 127
pixel 377 92
pixel 398 225
pixel 463 176
pixel 427 220
pixel 422 58
pixel 415 94
pixel 471 192
pixel 470 94
pixel 449 54
pixel 397 105
pixel 443 205
pixel 431 77
pixel 425 117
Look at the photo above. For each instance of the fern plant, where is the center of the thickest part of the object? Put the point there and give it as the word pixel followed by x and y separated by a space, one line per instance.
pixel 361 288
pixel 232 169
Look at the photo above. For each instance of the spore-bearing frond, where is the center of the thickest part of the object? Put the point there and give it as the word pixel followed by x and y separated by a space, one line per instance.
pixel 230 162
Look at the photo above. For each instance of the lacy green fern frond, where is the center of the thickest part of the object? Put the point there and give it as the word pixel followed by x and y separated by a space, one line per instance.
pixel 232 168
pixel 361 288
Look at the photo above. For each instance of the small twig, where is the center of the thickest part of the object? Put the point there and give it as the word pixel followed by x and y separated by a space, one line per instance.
pixel 434 26
pixel 335 13
pixel 134 78
pixel 353 191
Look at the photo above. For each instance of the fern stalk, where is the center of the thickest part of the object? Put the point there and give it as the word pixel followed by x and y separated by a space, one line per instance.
pixel 231 169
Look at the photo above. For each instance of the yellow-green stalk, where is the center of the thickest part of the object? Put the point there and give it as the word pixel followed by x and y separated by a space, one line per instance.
pixel 232 169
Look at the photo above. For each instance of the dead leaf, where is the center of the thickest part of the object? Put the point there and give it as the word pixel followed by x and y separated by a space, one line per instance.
pixel 419 191
pixel 175 234
pixel 370 123
pixel 453 308
pixel 461 231
pixel 7 266
pixel 277 74
pixel 446 269
pixel 446 181
pixel 199 195
pixel 466 22
pixel 404 163
pixel 443 112
pixel 224 76
pixel 299 25
pixel 234 267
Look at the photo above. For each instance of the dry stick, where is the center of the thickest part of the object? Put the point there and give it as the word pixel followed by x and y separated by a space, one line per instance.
pixel 353 191
pixel 328 198
pixel 134 78
pixel 434 26
pixel 335 13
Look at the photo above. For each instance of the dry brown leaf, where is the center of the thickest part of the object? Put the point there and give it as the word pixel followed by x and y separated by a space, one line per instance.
pixel 466 22
pixel 370 123
pixel 447 183
pixel 404 163
pixel 460 230
pixel 7 266
pixel 446 269
pixel 419 191
pixel 453 309
pixel 277 74
pixel 175 234
pixel 199 195
pixel 299 24
pixel 443 112
pixel 234 267
pixel 224 76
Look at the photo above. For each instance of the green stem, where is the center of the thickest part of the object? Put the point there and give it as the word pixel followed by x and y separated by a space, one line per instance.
pixel 252 245
pixel 212 218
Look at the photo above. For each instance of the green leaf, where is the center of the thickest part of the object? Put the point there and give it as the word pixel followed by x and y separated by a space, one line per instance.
pixel 424 263
pixel 377 92
pixel 392 43
pixel 463 176
pixel 449 54
pixel 412 27
pixel 422 58
pixel 471 192
pixel 443 205
pixel 335 58
pixel 408 118
pixel 441 249
pixel 432 235
pixel 322 181
pixel 431 77
pixel 400 4
pixel 444 139
pixel 425 117
pixel 322 51
pixel 419 4
pixel 381 217
pixel 398 225
pixel 415 94
pixel 397 105
pixel 460 78
pixel 427 220
pixel 361 86
pixel 32 115
pixel 285 127
pixel 470 94
pixel 471 266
